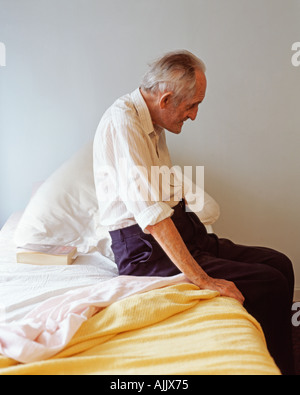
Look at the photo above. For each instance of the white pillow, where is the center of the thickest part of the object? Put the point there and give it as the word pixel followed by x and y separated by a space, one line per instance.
pixel 210 211
pixel 64 210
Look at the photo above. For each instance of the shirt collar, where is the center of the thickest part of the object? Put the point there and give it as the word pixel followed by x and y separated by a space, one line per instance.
pixel 144 113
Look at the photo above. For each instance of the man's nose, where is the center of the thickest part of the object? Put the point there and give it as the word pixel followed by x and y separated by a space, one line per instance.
pixel 193 113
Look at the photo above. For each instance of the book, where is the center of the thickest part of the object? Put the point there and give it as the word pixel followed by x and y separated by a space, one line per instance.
pixel 46 254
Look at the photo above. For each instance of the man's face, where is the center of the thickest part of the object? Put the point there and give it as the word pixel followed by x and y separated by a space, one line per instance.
pixel 174 116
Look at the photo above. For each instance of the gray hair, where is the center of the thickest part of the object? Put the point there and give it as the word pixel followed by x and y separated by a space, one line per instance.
pixel 175 72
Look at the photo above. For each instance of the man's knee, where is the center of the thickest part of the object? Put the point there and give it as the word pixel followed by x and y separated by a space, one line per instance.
pixel 278 260
pixel 267 287
pixel 285 266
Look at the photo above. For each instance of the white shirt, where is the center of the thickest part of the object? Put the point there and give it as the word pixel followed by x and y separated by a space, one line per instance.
pixel 127 148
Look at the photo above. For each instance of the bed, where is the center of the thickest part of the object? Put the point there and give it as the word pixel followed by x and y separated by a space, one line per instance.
pixel 85 319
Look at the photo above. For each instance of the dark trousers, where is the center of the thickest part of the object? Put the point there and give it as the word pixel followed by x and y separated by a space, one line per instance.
pixel 264 276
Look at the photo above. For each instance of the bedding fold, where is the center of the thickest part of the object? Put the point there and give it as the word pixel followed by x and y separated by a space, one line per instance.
pixel 47 329
pixel 177 329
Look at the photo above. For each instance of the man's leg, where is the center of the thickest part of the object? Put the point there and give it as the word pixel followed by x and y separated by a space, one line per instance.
pixel 262 255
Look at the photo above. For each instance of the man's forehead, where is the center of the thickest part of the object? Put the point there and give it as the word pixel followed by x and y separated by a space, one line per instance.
pixel 201 85
pixel 201 81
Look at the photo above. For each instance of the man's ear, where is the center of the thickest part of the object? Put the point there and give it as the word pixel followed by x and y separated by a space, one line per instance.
pixel 165 100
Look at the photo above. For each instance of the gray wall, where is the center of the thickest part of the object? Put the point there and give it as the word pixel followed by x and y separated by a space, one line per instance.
pixel 67 60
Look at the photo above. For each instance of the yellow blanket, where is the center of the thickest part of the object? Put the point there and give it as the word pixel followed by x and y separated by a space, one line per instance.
pixel 174 330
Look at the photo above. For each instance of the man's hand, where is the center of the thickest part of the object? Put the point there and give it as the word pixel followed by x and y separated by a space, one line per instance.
pixel 167 235
pixel 224 287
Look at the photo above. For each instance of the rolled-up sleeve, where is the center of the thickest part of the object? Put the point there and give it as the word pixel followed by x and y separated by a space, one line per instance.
pixel 153 214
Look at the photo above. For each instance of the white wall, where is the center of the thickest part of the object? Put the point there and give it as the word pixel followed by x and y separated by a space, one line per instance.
pixel 67 60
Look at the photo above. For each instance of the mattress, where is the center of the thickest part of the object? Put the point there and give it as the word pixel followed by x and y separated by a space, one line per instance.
pixel 85 319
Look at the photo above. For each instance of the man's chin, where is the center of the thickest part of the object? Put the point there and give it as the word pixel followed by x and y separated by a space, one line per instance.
pixel 176 129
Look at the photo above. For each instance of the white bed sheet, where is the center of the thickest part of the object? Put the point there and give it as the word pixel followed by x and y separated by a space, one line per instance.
pixel 42 307
pixel 23 287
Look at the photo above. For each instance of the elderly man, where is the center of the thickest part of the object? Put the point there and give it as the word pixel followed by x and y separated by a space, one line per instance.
pixel 157 236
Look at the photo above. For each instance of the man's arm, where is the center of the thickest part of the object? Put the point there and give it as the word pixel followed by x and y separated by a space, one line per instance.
pixel 167 235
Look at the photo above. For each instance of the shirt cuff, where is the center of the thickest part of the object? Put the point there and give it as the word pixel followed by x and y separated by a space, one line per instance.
pixel 153 214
